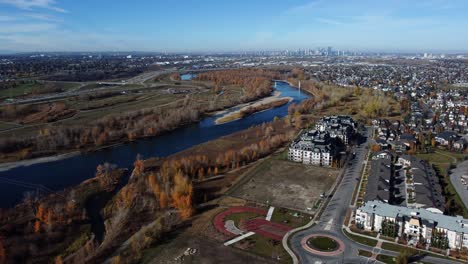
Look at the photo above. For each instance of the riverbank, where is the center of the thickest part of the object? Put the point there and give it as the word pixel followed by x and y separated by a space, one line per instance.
pixel 253 107
pixel 23 163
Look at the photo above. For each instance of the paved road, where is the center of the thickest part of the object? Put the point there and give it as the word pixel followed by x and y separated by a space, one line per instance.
pixel 332 219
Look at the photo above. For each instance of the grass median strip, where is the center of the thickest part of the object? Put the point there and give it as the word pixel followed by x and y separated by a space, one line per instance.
pixel 400 248
pixel 360 239
pixel 386 259
pixel 364 253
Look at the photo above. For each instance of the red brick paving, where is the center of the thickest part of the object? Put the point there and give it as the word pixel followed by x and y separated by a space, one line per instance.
pixel 266 228
pixel 219 219
pixel 260 226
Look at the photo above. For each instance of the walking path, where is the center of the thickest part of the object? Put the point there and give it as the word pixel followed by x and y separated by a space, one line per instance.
pixel 239 238
pixel 270 213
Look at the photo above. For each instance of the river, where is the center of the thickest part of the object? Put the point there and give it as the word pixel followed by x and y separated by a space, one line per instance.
pixel 63 173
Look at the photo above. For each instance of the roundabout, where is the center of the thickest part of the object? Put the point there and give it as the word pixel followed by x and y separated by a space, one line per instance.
pixel 323 245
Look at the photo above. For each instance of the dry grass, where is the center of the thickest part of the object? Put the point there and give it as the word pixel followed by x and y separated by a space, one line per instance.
pixel 285 184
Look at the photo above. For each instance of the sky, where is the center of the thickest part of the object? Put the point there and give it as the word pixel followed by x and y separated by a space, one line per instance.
pixel 218 25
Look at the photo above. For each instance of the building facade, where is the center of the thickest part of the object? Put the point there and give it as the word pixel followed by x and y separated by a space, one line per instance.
pixel 417 225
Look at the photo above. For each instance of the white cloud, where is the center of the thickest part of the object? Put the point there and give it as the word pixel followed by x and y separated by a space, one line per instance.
pixel 31 4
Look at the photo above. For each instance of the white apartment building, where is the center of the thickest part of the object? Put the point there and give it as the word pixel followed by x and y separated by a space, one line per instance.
pixel 415 223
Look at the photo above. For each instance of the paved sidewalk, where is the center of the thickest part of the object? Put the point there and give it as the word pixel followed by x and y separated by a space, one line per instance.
pixel 239 238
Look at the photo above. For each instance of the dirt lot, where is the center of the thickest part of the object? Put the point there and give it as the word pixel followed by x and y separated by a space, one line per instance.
pixel 285 184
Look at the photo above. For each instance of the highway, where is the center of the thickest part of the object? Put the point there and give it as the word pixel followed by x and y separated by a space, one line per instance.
pixel 332 219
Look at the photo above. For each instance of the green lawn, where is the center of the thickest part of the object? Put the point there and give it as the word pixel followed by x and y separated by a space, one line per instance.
pixel 268 248
pixel 400 248
pixel 290 217
pixel 362 240
pixel 323 243
pixel 393 247
pixel 364 253
pixel 386 259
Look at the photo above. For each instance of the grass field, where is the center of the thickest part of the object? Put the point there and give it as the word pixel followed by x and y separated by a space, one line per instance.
pixel 442 157
pixel 290 217
pixel 85 117
pixel 27 88
pixel 268 248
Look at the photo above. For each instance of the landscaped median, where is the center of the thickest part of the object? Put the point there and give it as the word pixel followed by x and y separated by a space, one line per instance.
pixel 360 239
pixel 366 240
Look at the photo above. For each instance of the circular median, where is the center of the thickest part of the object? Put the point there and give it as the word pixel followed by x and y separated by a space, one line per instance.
pixel 323 245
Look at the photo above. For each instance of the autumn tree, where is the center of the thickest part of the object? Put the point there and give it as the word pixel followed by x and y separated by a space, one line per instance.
pixel 182 195
pixel 139 166
pixel 37 226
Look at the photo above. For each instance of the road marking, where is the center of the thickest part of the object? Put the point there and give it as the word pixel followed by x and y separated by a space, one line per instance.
pixel 239 238
pixel 329 225
pixel 270 213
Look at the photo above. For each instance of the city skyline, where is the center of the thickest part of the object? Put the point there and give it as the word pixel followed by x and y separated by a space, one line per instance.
pixel 386 26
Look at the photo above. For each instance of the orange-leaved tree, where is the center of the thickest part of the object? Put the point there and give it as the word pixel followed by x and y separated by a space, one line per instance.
pixel 182 195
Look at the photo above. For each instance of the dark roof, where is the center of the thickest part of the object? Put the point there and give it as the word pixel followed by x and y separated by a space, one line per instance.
pixel 447 135
pixel 406 136
pixel 378 184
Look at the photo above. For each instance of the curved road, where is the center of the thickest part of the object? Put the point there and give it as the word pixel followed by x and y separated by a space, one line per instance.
pixel 332 219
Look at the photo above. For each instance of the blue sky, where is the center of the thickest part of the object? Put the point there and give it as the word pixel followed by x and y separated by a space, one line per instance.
pixel 218 25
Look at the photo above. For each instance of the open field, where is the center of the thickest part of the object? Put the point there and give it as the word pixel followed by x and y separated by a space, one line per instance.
pixel 285 184
pixel 105 107
pixel 442 157
pixel 36 88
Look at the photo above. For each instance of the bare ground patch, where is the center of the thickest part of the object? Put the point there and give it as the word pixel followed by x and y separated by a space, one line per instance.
pixel 285 184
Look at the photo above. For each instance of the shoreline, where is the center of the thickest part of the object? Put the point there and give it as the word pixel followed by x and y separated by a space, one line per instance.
pixel 5 166
pixel 266 100
pixel 28 162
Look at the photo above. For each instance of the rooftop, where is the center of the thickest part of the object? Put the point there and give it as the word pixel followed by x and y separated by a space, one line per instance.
pixel 454 223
